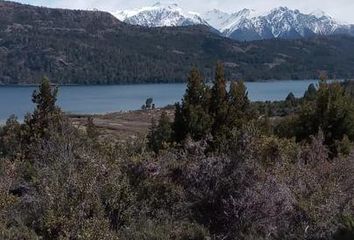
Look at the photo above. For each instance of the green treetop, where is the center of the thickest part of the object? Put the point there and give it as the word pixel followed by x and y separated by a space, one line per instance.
pixel 192 117
pixel 46 112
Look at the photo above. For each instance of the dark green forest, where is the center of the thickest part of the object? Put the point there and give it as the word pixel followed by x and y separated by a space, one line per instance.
pixel 223 168
pixel 92 47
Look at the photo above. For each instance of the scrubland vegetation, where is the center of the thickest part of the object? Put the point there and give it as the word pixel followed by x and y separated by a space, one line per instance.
pixel 224 168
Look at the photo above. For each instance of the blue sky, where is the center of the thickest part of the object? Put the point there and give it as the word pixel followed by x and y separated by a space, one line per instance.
pixel 340 9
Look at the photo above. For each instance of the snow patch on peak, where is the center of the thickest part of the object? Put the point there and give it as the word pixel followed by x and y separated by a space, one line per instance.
pixel 280 9
pixel 170 4
pixel 318 13
pixel 248 13
pixel 159 15
pixel 216 18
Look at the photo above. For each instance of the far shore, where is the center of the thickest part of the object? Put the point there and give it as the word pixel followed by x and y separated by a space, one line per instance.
pixel 152 83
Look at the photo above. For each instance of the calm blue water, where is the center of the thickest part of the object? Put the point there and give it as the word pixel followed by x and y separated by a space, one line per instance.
pixel 104 99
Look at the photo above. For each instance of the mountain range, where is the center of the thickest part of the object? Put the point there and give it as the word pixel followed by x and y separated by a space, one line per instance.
pixel 160 15
pixel 244 25
pixel 94 47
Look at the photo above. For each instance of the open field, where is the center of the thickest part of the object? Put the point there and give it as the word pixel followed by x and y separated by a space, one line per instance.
pixel 122 126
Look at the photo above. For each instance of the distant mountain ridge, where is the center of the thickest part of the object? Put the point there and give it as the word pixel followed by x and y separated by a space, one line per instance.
pixel 280 22
pixel 93 47
pixel 160 15
pixel 244 25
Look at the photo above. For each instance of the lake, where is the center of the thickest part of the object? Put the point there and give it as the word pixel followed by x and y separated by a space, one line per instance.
pixel 104 99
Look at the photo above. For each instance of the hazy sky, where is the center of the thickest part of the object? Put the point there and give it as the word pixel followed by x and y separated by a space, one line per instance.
pixel 339 9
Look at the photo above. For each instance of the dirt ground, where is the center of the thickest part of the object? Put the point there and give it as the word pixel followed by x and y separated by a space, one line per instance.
pixel 122 125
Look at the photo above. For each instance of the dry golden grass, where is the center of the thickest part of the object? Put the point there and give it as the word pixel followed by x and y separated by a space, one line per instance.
pixel 122 125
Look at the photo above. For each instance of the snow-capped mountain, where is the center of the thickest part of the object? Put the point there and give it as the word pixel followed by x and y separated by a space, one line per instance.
pixel 160 15
pixel 216 18
pixel 279 23
pixel 244 25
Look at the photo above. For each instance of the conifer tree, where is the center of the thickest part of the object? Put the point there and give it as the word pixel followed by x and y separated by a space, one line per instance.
pixel 192 117
pixel 291 99
pixel 218 91
pixel 238 96
pixel 219 102
pixel 160 134
pixel 195 88
pixel 332 113
pixel 46 112
pixel 10 138
pixel 45 98
pixel 310 93
pixel 239 111
pixel 179 126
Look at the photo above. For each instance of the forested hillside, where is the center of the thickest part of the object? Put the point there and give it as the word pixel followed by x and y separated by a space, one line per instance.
pixel 91 47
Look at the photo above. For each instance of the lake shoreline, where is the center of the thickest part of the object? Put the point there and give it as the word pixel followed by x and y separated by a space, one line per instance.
pixel 159 83
pixel 103 99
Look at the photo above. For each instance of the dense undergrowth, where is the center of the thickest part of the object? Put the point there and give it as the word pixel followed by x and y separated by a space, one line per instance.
pixel 225 168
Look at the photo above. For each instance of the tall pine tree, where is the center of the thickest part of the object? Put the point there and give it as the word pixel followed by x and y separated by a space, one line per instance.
pixel 192 117
pixel 219 103
pixel 239 111
pixel 46 113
